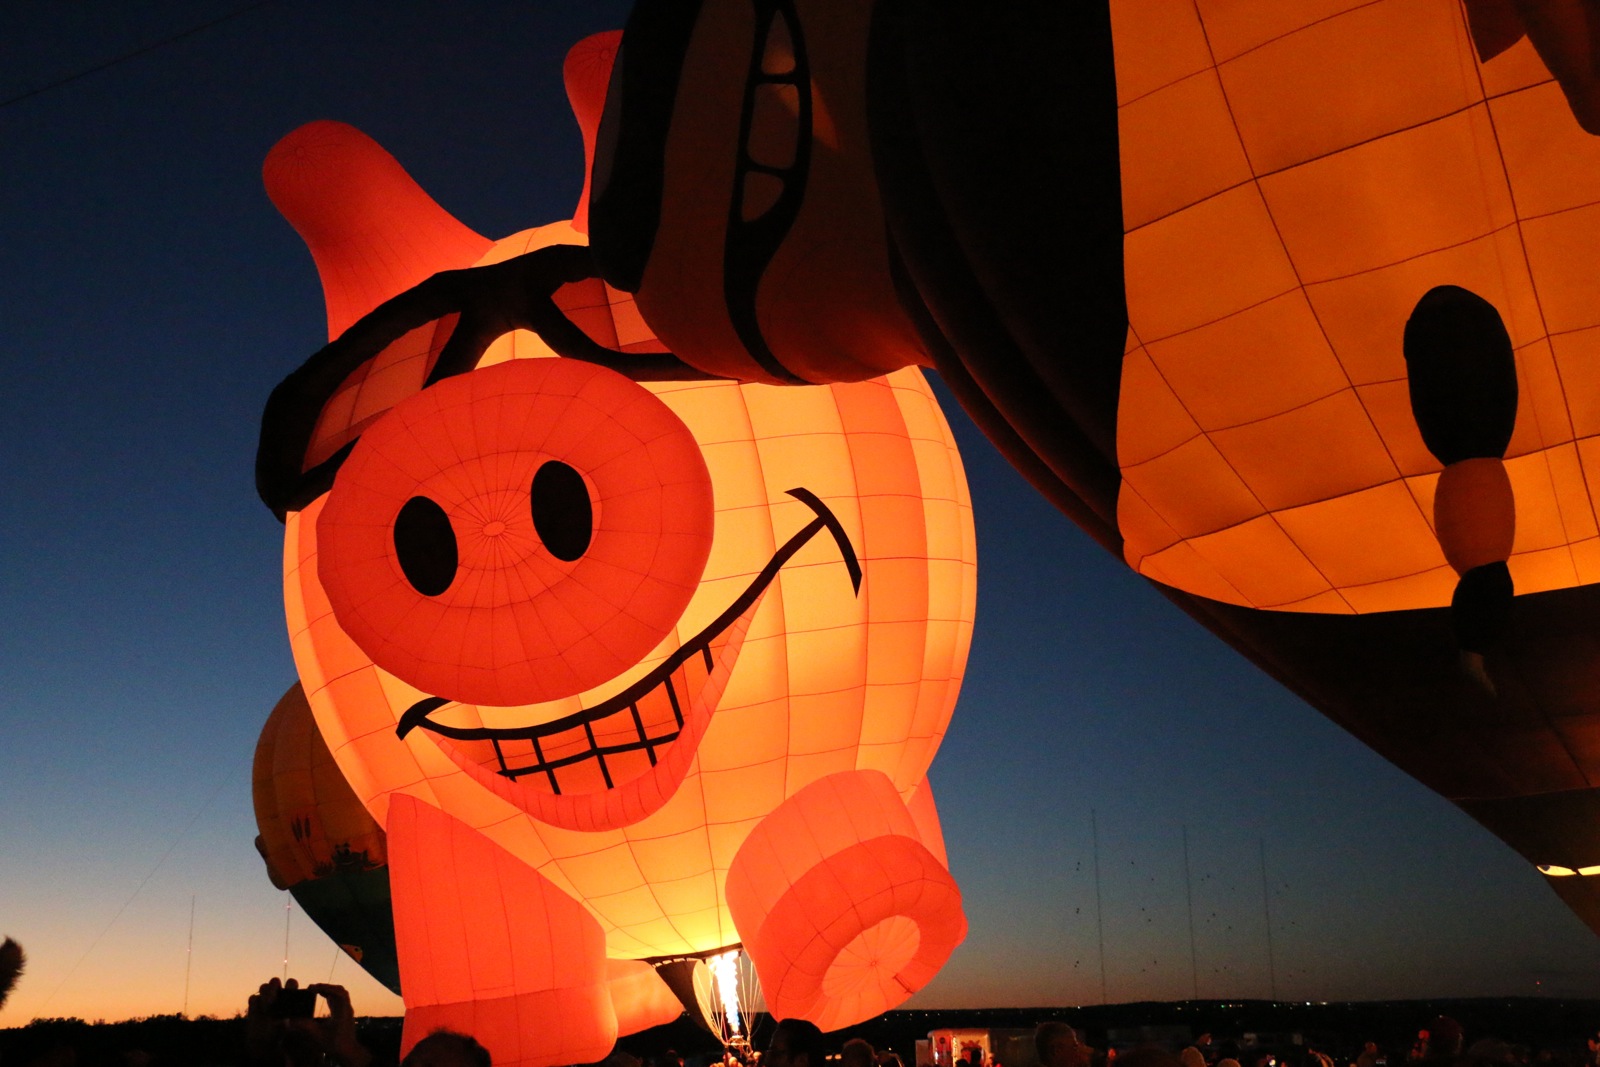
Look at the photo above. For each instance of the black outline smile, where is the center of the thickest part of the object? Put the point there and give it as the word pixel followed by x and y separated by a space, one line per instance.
pixel 629 698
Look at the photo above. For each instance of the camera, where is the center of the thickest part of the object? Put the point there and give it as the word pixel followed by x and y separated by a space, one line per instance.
pixel 293 1003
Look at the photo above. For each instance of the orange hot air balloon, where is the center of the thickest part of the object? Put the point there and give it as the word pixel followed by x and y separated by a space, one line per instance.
pixel 1287 305
pixel 1356 259
pixel 318 841
pixel 746 609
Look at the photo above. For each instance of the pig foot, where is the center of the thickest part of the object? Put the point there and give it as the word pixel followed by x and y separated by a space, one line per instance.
pixel 845 912
pixel 490 947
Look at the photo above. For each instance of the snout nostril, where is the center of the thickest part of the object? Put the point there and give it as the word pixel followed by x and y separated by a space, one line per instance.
pixel 426 546
pixel 562 514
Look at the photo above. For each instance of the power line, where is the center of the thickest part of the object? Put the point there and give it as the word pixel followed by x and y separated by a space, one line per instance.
pixel 1099 905
pixel 1266 908
pixel 226 778
pixel 135 54
pixel 1188 895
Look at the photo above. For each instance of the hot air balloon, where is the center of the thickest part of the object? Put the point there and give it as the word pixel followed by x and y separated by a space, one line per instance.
pixel 1287 305
pixel 1355 269
pixel 629 664
pixel 318 842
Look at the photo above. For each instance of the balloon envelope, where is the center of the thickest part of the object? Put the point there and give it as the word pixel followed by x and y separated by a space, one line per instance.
pixel 319 843
pixel 816 564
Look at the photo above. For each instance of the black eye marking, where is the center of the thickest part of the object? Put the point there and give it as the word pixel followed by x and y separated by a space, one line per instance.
pixel 426 546
pixel 562 515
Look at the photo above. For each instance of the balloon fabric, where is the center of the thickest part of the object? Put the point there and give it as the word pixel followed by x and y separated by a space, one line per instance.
pixel 627 671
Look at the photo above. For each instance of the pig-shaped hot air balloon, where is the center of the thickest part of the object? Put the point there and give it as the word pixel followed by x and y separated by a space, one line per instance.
pixel 628 669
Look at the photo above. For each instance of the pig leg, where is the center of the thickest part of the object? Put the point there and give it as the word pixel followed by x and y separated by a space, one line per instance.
pixel 639 996
pixel 490 947
pixel 841 904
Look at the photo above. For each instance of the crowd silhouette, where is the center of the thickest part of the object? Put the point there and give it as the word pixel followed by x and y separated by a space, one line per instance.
pixel 288 1025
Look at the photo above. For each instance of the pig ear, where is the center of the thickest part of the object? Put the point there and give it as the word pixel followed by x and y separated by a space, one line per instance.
pixel 587 72
pixel 380 242
pixel 373 234
pixel 372 231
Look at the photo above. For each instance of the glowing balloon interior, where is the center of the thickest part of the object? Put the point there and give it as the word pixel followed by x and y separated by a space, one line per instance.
pixel 625 670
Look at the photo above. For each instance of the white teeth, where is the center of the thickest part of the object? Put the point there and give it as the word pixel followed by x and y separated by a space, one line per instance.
pixel 664 704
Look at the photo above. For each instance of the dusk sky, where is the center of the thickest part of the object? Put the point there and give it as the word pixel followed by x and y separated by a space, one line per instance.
pixel 152 298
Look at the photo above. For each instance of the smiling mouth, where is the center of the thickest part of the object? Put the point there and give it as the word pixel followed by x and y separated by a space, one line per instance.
pixel 648 715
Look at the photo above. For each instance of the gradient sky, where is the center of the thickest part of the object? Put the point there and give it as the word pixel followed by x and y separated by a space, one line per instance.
pixel 151 300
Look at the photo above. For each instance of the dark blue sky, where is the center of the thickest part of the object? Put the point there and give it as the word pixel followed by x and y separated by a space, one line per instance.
pixel 151 300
